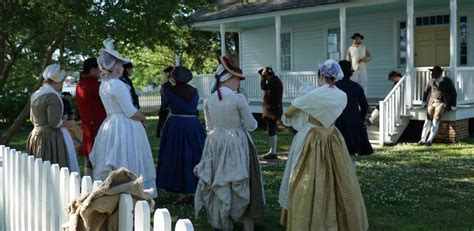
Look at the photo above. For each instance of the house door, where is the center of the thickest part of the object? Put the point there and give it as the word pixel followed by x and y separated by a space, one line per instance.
pixel 432 47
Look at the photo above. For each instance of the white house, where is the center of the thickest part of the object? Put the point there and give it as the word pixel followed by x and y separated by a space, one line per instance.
pixel 409 36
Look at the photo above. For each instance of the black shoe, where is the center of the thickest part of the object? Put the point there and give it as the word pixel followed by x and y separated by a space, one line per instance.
pixel 270 156
pixel 428 143
pixel 421 142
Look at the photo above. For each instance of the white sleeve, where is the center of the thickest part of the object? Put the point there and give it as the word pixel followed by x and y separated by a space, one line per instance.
pixel 123 97
pixel 244 109
pixel 207 117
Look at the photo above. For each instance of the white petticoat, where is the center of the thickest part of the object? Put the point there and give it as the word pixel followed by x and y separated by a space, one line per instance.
pixel 123 142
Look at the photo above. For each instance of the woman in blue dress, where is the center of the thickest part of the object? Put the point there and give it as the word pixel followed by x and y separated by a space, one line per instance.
pixel 182 139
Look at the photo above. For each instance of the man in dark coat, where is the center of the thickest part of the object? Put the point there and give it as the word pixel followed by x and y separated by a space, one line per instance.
pixel 351 122
pixel 164 111
pixel 440 96
pixel 272 106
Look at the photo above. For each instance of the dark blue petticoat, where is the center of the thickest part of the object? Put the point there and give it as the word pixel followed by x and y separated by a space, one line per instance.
pixel 181 146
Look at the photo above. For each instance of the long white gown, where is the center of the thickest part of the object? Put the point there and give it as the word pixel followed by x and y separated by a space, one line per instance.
pixel 121 141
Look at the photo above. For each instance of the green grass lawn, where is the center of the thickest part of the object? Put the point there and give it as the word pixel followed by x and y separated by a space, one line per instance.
pixel 406 187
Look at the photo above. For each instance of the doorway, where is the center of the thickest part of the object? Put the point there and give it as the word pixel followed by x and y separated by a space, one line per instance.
pixel 432 46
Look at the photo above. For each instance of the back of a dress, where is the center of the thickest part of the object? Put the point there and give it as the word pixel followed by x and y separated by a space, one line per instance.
pixel 228 113
pixel 116 97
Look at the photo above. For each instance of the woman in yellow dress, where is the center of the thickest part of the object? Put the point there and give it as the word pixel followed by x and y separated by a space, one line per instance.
pixel 320 190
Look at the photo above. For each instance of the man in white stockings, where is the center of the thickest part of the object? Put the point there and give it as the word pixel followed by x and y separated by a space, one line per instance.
pixel 440 96
pixel 359 56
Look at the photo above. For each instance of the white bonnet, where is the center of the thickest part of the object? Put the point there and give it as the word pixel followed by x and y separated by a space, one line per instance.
pixel 108 56
pixel 54 72
pixel 330 68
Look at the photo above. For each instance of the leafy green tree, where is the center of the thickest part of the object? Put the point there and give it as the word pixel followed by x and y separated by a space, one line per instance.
pixel 33 33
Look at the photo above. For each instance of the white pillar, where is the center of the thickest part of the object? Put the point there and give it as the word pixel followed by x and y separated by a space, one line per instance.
pixel 453 42
pixel 410 52
pixel 278 44
pixel 177 59
pixel 222 32
pixel 342 21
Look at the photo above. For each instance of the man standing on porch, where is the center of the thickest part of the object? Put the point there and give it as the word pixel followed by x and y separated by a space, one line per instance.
pixel 359 56
pixel 440 95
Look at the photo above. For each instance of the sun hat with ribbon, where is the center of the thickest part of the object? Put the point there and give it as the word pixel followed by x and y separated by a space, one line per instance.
pixel 108 56
pixel 54 72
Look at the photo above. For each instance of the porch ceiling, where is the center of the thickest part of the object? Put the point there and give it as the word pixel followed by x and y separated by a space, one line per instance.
pixel 383 7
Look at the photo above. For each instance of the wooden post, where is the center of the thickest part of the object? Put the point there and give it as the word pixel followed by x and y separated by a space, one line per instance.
pixel 342 21
pixel 278 44
pixel 45 195
pixel 142 216
pixel 126 212
pixel 162 220
pixel 37 196
pixel 56 209
pixel 184 225
pixel 86 185
pixel 222 33
pixel 410 53
pixel 453 41
pixel 63 194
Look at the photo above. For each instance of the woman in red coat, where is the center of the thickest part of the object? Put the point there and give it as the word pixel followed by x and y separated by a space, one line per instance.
pixel 90 108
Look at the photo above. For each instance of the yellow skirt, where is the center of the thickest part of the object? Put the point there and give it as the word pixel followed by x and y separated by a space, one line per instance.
pixel 324 191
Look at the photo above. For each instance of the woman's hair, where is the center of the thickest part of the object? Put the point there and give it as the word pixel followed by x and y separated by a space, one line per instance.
pixel 125 71
pixel 88 65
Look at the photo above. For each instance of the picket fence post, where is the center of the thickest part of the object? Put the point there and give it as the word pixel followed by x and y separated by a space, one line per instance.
pixel 96 184
pixel 30 197
pixel 125 212
pixel 63 195
pixel 55 202
pixel 86 185
pixel 142 216
pixel 162 220
pixel 38 198
pixel 16 190
pixel 45 195
pixel 184 225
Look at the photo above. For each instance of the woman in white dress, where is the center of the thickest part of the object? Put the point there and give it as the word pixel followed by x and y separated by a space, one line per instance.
pixel 230 185
pixel 122 140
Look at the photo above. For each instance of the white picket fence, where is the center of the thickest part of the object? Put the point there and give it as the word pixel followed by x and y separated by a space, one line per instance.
pixel 34 195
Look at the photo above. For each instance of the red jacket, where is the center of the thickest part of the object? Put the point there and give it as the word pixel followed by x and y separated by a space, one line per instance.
pixel 91 110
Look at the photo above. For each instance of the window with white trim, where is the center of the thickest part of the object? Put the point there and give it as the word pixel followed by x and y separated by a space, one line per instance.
pixel 285 53
pixel 333 44
pixel 402 43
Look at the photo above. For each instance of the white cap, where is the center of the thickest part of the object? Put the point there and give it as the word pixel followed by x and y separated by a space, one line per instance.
pixel 330 68
pixel 54 72
pixel 108 56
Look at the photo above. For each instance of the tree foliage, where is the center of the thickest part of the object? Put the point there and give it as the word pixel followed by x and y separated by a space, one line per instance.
pixel 35 33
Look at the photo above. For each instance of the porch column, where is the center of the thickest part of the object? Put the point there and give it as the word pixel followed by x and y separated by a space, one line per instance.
pixel 278 43
pixel 453 42
pixel 177 59
pixel 222 32
pixel 342 21
pixel 410 54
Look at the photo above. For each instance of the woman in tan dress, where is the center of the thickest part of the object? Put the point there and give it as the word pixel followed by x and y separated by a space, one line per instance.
pixel 50 139
pixel 319 189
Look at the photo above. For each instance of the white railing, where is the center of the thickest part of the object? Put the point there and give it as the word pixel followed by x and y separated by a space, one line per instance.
pixel 465 85
pixel 292 82
pixel 421 77
pixel 392 108
pixel 34 195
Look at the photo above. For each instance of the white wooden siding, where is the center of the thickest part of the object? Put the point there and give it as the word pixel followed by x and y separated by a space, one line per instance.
pixel 309 44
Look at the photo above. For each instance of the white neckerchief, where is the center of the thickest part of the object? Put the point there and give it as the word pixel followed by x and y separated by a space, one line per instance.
pixel 47 89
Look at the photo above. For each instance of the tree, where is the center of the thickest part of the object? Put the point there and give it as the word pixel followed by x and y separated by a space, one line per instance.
pixel 37 32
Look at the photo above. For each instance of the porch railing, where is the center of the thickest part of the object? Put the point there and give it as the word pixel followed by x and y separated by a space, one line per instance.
pixel 392 108
pixel 292 82
pixel 463 80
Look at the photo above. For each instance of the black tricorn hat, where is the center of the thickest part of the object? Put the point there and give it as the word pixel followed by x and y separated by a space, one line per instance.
pixel 357 35
pixel 266 70
pixel 181 74
pixel 436 69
